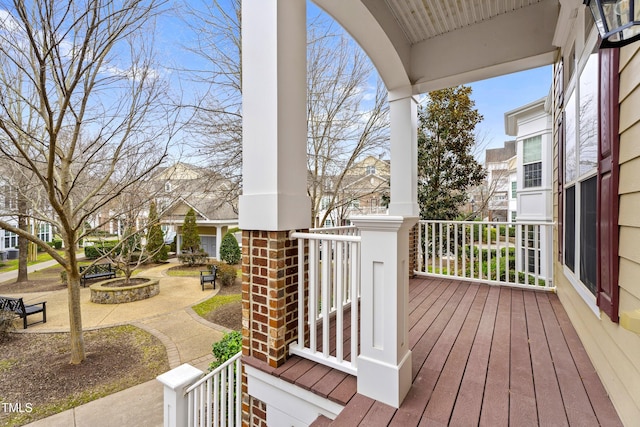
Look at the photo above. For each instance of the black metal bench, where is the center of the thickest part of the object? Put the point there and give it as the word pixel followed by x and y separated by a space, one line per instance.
pixel 96 271
pixel 209 276
pixel 18 307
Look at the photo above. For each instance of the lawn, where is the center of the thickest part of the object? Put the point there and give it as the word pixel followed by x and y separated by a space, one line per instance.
pixel 12 264
pixel 35 370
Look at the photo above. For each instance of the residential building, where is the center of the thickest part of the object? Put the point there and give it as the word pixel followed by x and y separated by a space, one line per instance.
pixel 8 211
pixel 531 125
pixel 499 170
pixel 595 318
pixel 181 187
pixel 362 190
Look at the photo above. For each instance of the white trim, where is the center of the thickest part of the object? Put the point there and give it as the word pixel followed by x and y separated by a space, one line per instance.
pixel 582 290
pixel 288 404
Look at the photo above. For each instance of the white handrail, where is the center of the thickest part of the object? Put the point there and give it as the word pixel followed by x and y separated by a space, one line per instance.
pixel 216 399
pixel 329 276
pixel 515 254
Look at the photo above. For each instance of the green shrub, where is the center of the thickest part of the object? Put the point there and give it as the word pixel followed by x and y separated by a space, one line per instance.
pixel 96 251
pixel 226 275
pixel 229 249
pixel 198 257
pixel 174 244
pixel 226 348
pixel 190 235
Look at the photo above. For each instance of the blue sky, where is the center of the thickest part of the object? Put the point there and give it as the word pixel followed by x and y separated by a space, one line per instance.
pixel 496 96
pixel 493 97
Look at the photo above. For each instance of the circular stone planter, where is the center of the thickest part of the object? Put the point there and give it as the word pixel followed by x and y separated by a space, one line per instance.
pixel 110 292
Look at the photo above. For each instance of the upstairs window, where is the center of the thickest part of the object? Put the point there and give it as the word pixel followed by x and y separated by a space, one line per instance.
pixel 371 170
pixel 532 161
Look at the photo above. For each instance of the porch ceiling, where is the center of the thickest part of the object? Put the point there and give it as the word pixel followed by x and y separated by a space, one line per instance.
pixel 430 44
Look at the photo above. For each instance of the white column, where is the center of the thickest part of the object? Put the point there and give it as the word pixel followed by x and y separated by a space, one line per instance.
pixel 384 363
pixel 403 112
pixel 274 116
pixel 175 402
pixel 218 240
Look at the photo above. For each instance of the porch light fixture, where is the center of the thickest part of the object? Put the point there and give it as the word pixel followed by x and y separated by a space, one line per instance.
pixel 618 21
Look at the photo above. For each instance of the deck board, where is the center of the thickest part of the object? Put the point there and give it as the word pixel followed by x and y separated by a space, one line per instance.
pixel 481 355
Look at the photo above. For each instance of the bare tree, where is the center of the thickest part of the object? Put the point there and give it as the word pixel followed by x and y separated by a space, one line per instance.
pixel 83 73
pixel 342 128
pixel 347 115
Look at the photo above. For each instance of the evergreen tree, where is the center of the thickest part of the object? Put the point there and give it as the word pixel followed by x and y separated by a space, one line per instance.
pixel 229 249
pixel 190 236
pixel 155 239
pixel 446 166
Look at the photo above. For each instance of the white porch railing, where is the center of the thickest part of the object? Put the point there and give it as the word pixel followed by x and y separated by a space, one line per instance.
pixel 216 399
pixel 329 262
pixel 514 254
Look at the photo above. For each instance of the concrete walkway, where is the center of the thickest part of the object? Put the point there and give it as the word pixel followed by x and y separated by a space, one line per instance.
pixel 168 316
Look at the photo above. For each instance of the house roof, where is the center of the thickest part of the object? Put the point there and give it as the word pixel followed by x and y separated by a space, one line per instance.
pixel 495 155
pixel 206 210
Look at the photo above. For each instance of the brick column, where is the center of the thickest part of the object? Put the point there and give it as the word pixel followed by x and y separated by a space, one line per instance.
pixel 269 304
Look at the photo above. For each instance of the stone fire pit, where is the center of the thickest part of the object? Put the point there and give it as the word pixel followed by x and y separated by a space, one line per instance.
pixel 113 291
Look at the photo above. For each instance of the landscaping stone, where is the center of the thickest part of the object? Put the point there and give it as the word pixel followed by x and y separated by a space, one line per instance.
pixel 105 293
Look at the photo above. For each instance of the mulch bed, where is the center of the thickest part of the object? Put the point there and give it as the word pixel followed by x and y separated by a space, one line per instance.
pixel 35 369
pixel 230 314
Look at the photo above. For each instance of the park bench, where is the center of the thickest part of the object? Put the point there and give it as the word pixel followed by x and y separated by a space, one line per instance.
pixel 18 307
pixel 209 276
pixel 96 271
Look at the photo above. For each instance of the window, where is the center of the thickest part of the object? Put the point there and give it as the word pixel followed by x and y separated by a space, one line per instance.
pixel 167 187
pixel 514 189
pixel 513 216
pixel 10 239
pixel 325 202
pixel 371 170
pixel 43 232
pixel 532 161
pixel 581 150
pixel 328 223
pixel 530 240
pixel 588 249
pixel 10 197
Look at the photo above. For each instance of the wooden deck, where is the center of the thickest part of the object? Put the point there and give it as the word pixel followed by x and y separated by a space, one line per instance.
pixel 482 355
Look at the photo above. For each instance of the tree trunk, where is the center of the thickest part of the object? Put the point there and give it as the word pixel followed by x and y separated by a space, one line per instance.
pixel 75 314
pixel 23 244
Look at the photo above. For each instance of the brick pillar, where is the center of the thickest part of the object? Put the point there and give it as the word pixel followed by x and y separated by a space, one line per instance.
pixel 269 304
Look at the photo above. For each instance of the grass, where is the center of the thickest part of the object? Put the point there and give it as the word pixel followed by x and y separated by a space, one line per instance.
pixel 12 264
pixel 144 357
pixel 215 302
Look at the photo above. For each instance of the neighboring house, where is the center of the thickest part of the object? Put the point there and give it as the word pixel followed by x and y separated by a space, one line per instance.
pixel 499 170
pixel 362 191
pixel 8 208
pixel 183 186
pixel 596 262
pixel 531 125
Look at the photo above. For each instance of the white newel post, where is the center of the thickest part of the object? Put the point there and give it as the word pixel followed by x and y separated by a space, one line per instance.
pixel 175 402
pixel 384 363
pixel 403 112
